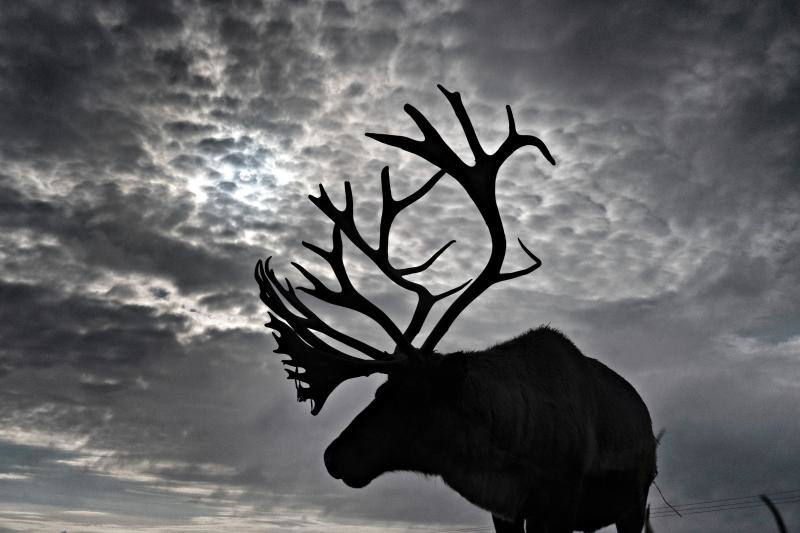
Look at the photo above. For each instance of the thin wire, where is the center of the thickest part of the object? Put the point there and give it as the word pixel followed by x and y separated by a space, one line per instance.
pixel 690 508
pixel 781 497
pixel 732 508
pixel 683 505
pixel 724 506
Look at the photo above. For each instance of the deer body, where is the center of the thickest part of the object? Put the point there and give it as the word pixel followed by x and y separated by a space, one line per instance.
pixel 530 428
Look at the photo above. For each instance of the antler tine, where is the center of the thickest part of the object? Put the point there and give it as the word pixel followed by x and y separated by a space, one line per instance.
pixel 344 222
pixel 312 321
pixel 515 141
pixel 324 366
pixel 424 266
pixel 432 148
pixel 466 124
pixel 307 320
pixel 348 296
pixel 503 276
pixel 269 296
pixel 392 208
pixel 478 181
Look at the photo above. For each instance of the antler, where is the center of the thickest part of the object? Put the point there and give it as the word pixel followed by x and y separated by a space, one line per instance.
pixel 325 367
pixel 478 181
pixel 343 221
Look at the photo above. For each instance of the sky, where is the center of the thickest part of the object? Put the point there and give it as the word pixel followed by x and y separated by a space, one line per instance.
pixel 152 152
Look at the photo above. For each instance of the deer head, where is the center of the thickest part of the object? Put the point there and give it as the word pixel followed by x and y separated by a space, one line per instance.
pixel 297 328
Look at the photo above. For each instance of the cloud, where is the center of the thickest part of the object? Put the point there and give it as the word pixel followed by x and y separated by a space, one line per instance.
pixel 154 150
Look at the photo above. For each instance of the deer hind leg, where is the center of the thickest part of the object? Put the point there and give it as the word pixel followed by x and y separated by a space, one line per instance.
pixel 504 526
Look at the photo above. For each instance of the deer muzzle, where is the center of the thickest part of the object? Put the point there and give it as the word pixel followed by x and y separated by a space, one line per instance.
pixel 339 467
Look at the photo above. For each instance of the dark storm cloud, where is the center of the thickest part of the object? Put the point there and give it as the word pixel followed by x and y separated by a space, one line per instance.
pixel 188 163
pixel 151 15
pixel 153 150
pixel 109 372
pixel 101 227
pixel 183 128
pixel 42 329
pixel 215 146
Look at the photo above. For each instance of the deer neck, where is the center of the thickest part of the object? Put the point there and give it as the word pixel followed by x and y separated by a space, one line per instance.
pixel 467 464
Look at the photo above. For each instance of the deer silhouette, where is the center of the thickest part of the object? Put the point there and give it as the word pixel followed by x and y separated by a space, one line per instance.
pixel 531 430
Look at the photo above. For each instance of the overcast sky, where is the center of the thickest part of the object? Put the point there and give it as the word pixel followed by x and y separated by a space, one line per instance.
pixel 153 151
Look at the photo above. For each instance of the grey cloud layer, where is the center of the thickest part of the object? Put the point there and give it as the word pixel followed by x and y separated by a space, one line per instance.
pixel 153 150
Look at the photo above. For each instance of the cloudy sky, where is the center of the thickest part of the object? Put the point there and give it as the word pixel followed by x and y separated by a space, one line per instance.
pixel 153 151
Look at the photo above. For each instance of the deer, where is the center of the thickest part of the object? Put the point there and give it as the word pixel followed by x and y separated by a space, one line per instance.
pixel 541 436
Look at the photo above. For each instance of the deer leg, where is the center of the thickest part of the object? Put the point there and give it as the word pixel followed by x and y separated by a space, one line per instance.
pixel 531 527
pixel 504 526
pixel 633 520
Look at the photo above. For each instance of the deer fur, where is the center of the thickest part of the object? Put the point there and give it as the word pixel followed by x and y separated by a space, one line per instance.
pixel 516 429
